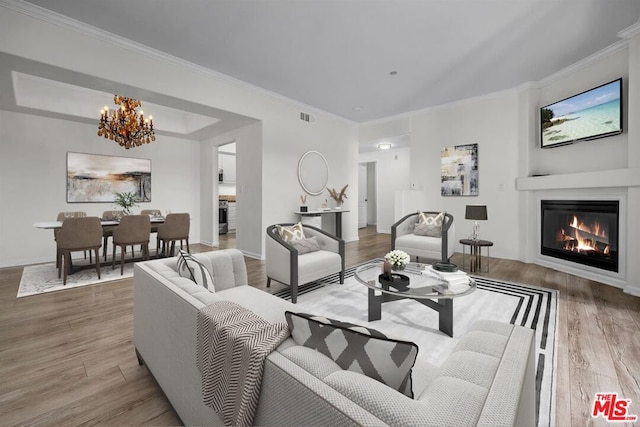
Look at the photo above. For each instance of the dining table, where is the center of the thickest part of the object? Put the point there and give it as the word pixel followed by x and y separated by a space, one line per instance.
pixel 53 225
pixel 106 225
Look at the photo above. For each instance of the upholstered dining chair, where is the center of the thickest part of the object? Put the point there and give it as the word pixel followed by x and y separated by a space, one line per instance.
pixel 107 231
pixel 132 230
pixel 60 218
pixel 310 256
pixel 154 213
pixel 175 227
pixel 78 234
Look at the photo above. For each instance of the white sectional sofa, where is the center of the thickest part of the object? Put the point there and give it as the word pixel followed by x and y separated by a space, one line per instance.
pixel 487 380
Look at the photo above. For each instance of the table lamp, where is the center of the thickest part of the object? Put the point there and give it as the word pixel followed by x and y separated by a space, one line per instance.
pixel 476 213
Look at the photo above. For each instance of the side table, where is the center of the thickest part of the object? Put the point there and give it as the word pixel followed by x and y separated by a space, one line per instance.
pixel 475 253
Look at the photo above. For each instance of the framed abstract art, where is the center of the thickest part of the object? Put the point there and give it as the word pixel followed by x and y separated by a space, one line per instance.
pixel 96 178
pixel 459 173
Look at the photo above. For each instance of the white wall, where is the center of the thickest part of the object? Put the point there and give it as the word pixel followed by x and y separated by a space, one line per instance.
pixel 392 175
pixel 600 154
pixel 271 182
pixel 490 122
pixel 505 127
pixel 33 158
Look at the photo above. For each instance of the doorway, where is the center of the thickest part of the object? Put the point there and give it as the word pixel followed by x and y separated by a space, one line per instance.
pixel 226 177
pixel 367 200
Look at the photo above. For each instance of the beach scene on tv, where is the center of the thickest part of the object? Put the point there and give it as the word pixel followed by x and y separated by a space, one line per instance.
pixel 590 114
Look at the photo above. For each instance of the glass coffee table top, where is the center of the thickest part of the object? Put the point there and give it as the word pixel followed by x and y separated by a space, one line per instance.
pixel 420 286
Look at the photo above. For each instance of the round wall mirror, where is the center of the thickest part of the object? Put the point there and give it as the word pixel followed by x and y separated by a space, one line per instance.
pixel 313 172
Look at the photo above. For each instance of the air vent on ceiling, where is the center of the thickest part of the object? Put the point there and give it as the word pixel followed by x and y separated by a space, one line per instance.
pixel 305 117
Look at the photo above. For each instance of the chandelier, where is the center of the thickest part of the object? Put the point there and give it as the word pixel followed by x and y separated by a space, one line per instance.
pixel 125 126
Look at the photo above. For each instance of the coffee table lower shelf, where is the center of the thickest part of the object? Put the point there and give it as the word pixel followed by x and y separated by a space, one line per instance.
pixel 444 307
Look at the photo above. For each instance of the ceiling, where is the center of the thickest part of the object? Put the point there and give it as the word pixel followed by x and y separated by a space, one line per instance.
pixel 339 56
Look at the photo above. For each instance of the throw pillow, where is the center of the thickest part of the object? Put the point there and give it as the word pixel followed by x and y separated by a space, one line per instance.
pixel 191 268
pixel 358 349
pixel 291 234
pixel 304 246
pixel 429 225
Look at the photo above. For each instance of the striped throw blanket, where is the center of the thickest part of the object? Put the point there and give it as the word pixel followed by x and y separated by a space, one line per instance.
pixel 232 345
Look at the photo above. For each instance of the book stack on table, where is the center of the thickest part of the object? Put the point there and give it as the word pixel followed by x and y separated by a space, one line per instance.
pixel 455 281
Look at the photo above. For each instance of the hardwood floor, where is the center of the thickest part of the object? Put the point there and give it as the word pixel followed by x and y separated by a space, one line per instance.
pixel 66 358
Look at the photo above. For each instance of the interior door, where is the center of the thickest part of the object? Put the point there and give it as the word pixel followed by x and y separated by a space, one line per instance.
pixel 362 196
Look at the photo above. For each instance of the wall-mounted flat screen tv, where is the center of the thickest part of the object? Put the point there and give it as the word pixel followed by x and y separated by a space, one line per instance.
pixel 593 114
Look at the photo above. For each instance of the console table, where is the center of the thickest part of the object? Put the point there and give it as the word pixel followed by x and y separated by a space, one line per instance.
pixel 475 253
pixel 337 212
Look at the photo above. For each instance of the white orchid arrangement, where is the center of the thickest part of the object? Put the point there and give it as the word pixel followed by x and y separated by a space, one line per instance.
pixel 398 259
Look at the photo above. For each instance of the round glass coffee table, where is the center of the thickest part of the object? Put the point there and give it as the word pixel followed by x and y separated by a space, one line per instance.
pixel 425 289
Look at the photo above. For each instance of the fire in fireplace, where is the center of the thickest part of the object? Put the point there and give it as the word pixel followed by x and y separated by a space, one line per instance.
pixel 581 231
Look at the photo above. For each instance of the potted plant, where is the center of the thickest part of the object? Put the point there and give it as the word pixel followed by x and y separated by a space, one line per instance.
pixel 303 201
pixel 126 200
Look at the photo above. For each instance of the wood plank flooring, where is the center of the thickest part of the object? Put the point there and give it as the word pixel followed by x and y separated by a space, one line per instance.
pixel 67 358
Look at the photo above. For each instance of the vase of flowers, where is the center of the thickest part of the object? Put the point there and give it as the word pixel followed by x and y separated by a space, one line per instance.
pixel 339 197
pixel 398 259
pixel 126 201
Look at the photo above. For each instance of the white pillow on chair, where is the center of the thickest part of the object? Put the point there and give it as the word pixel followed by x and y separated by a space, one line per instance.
pixel 429 224
pixel 291 234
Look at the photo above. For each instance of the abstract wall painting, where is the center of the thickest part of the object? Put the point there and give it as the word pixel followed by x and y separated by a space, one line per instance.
pixel 96 178
pixel 460 170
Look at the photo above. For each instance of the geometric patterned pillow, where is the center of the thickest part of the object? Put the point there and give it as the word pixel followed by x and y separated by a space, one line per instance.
pixel 191 268
pixel 291 234
pixel 429 225
pixel 358 349
pixel 304 246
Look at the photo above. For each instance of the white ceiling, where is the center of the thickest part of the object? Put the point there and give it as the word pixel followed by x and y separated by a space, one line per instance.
pixel 335 55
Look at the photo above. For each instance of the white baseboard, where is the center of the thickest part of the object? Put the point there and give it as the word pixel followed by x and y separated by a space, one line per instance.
pixel 252 255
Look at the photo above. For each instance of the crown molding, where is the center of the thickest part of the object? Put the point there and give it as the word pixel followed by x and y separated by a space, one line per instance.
pixel 630 32
pixel 65 22
pixel 589 60
pixel 461 102
pixel 610 50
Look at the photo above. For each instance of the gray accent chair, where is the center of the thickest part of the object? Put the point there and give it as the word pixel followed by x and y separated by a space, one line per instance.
pixel 435 248
pixel 286 266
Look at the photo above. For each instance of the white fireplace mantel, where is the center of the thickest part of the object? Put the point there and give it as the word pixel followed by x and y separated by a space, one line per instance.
pixel 628 177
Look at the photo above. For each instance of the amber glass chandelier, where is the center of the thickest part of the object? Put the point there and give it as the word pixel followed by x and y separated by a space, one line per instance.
pixel 125 125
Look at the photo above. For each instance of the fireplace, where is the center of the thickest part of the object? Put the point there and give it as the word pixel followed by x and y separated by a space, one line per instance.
pixel 581 231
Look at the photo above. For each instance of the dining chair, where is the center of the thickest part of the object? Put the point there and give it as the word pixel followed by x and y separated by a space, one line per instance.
pixel 175 227
pixel 154 213
pixel 107 231
pixel 78 234
pixel 132 230
pixel 60 218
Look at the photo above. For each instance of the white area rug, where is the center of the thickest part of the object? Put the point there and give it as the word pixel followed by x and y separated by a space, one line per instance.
pixel 524 305
pixel 41 278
